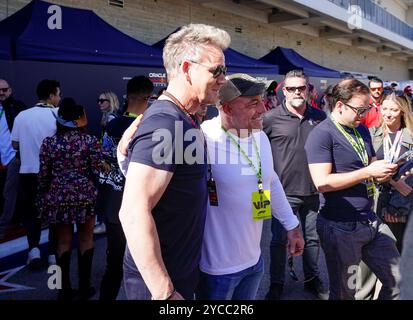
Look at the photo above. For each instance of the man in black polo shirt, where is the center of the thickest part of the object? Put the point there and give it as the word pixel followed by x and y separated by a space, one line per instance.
pixel 287 128
pixel 342 165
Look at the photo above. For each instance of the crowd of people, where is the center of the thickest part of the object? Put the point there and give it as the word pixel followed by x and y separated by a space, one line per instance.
pixel 182 197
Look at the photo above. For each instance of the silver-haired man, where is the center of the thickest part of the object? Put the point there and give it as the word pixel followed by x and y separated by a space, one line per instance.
pixel 164 203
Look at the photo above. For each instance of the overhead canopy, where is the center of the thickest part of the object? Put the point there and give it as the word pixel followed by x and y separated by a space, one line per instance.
pixel 5 48
pixel 237 62
pixel 288 59
pixel 83 38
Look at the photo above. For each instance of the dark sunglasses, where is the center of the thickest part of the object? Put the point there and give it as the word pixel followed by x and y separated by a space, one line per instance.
pixel 291 270
pixel 294 89
pixel 4 89
pixel 361 112
pixel 376 89
pixel 292 273
pixel 100 101
pixel 397 93
pixel 215 72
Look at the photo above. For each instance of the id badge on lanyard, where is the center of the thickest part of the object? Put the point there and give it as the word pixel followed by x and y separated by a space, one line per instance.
pixel 261 205
pixel 212 191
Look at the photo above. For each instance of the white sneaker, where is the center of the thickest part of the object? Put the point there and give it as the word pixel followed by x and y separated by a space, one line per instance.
pixel 100 229
pixel 51 259
pixel 33 258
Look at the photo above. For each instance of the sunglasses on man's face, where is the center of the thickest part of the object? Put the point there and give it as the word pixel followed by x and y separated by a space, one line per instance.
pixel 100 101
pixel 380 89
pixel 294 89
pixel 4 90
pixel 361 111
pixel 216 72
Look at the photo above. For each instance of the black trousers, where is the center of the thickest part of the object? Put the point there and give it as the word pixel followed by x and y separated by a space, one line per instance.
pixel 31 216
pixel 112 279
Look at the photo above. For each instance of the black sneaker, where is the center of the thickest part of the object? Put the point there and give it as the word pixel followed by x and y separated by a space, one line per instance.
pixel 316 287
pixel 275 292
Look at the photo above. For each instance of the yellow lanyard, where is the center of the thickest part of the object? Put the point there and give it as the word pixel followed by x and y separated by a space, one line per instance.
pixel 258 171
pixel 358 145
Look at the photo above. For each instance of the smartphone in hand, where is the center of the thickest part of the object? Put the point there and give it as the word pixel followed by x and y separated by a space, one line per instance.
pixel 403 157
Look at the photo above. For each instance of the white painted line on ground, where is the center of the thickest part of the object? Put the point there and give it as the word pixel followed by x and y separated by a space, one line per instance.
pixel 20 244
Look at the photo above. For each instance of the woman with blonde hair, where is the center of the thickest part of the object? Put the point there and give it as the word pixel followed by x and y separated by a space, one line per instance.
pixel 108 103
pixel 390 140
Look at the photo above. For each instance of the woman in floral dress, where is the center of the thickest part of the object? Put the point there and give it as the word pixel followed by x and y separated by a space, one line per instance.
pixel 69 165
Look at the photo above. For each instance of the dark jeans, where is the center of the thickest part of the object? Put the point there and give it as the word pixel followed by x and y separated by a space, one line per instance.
pixel 10 193
pixel 112 279
pixel 136 289
pixel 306 209
pixel 32 218
pixel 345 244
pixel 366 278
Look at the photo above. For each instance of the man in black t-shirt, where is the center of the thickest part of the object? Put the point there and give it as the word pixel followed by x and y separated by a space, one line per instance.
pixel 165 198
pixel 342 165
pixel 287 128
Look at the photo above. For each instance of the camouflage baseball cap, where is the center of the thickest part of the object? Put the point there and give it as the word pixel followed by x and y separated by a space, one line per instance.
pixel 242 85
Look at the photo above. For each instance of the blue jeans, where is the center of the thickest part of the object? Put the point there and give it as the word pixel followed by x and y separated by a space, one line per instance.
pixel 242 285
pixel 306 209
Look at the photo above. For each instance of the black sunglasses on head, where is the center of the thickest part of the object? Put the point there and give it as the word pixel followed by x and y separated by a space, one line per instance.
pixel 101 100
pixel 397 93
pixel 4 89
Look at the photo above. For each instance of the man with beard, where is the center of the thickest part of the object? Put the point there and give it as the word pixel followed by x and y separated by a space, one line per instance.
pixel 231 263
pixel 287 128
pixel 373 118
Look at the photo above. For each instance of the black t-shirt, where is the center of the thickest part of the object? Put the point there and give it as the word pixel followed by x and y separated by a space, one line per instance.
pixel 288 134
pixel 167 140
pixel 326 144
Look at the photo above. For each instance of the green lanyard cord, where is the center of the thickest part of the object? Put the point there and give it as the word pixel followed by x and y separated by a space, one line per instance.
pixel 251 164
pixel 358 145
pixel 130 114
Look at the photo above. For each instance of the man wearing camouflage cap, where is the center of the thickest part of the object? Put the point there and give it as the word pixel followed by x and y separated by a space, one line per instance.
pixel 244 190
